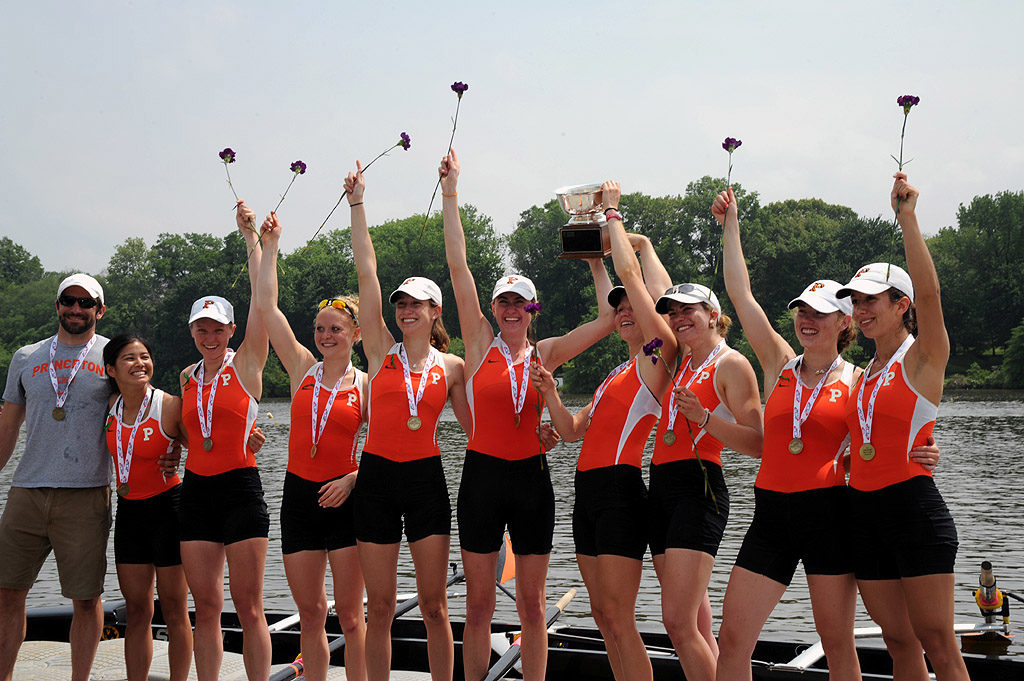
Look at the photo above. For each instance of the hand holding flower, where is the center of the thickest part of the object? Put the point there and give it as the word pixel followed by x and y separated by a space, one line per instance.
pixel 449 173
pixel 355 185
pixel 245 217
pixel 903 197
pixel 541 379
pixel 688 404
pixel 725 208
pixel 271 229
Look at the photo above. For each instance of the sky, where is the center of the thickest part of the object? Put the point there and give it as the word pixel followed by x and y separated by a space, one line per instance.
pixel 112 113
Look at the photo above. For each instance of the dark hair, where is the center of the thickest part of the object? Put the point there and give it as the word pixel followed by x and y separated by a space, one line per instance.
pixel 438 335
pixel 910 316
pixel 112 350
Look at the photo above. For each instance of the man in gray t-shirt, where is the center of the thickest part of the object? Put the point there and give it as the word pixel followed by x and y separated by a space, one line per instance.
pixel 60 497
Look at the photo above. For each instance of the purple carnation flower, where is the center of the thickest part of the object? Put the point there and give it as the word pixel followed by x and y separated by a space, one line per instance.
pixel 458 87
pixel 298 167
pixel 532 308
pixel 731 144
pixel 908 101
pixel 653 347
pixel 405 142
pixel 227 155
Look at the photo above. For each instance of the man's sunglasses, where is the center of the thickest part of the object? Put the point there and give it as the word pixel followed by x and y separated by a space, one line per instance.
pixel 84 303
pixel 338 304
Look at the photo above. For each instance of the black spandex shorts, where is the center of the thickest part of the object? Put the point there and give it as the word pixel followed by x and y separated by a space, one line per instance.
pixel 684 512
pixel 306 525
pixel 223 508
pixel 495 493
pixel 146 530
pixel 812 526
pixel 903 530
pixel 388 491
pixel 610 515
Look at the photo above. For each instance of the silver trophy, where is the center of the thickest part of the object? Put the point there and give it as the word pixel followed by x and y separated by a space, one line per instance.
pixel 586 233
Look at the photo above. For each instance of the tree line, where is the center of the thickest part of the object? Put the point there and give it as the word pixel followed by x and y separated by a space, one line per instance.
pixel 149 287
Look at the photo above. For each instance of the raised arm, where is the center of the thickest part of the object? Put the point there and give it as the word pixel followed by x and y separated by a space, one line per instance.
pixel 927 357
pixel 560 349
pixel 295 358
pixel 627 267
pixel 377 340
pixel 254 348
pixel 771 349
pixel 477 333
pixel 656 277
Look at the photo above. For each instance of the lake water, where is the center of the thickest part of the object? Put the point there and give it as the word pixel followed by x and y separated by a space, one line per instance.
pixel 980 435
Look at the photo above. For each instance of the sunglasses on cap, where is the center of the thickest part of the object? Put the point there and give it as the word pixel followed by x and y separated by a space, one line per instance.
pixel 84 303
pixel 337 304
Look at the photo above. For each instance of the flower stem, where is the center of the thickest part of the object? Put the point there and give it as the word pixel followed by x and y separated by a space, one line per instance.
pixel 343 195
pixel 451 140
pixel 228 173
pixel 896 218
pixel 294 175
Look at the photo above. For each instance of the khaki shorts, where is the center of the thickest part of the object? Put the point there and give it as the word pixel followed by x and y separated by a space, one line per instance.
pixel 74 523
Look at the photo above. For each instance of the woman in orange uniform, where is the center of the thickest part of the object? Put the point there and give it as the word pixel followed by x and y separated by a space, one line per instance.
pixel 505 480
pixel 610 512
pixel 400 475
pixel 904 537
pixel 713 403
pixel 141 425
pixel 328 408
pixel 223 513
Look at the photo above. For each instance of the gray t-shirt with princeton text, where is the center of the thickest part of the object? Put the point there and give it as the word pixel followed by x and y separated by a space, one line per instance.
pixel 68 453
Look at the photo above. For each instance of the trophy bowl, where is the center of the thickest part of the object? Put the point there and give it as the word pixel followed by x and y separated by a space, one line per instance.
pixel 586 233
pixel 580 201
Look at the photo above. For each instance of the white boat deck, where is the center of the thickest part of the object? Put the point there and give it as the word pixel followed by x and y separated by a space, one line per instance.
pixel 51 661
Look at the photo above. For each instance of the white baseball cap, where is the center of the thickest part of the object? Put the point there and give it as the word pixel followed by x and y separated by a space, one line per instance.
pixel 515 284
pixel 821 295
pixel 879 277
pixel 212 307
pixel 419 288
pixel 688 293
pixel 85 281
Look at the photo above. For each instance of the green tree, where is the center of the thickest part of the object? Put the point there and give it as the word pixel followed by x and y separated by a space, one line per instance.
pixel 1013 359
pixel 17 265
pixel 133 298
pixel 402 253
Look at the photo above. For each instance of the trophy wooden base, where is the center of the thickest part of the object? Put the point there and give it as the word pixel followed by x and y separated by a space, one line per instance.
pixel 585 241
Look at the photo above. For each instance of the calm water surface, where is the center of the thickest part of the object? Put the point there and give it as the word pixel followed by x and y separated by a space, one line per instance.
pixel 980 435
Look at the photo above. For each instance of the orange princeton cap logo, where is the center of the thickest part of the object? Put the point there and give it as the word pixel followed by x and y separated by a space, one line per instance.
pixel 862 271
pixel 207 304
pixel 816 285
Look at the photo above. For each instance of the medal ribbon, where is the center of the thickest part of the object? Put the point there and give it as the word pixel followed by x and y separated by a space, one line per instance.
pixel 207 426
pixel 75 366
pixel 867 421
pixel 672 411
pixel 427 365
pixel 518 400
pixel 317 433
pixel 800 416
pixel 124 459
pixel 604 386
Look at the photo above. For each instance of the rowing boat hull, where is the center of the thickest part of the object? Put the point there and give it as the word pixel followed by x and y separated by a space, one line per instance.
pixel 574 652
